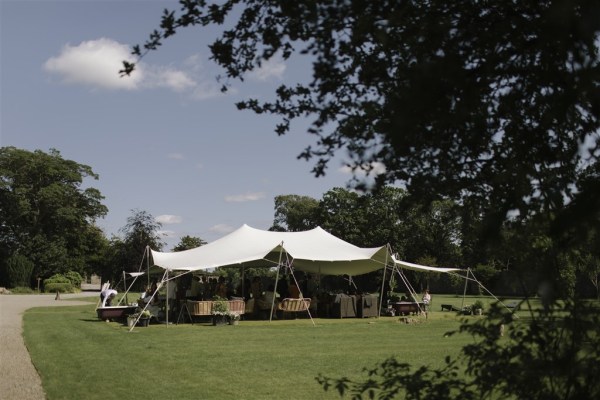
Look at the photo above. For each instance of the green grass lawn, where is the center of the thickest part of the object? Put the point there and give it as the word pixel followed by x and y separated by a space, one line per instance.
pixel 80 357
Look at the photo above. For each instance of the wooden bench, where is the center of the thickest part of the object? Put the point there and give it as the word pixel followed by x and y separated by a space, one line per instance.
pixel 289 305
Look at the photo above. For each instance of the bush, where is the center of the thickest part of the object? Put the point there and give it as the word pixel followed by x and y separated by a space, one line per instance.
pixel 19 269
pixel 75 278
pixel 58 283
pixel 22 290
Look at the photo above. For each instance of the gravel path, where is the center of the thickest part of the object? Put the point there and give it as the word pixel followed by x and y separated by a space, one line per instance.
pixel 18 377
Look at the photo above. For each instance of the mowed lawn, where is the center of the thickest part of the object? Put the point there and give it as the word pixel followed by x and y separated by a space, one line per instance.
pixel 80 357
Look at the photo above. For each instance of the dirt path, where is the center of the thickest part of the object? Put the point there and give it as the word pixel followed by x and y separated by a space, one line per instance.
pixel 18 377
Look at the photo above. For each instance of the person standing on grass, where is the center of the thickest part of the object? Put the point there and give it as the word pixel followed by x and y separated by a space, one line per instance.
pixel 426 300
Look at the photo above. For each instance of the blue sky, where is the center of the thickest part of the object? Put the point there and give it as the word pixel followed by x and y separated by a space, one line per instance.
pixel 166 140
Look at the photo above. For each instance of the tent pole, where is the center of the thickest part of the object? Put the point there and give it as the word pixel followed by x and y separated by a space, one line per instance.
pixel 319 288
pixel 409 287
pixel 167 302
pixel 276 281
pixel 490 293
pixel 465 291
pixel 149 301
pixel 381 296
pixel 148 263
pixel 125 286
pixel 383 282
pixel 243 279
pixel 291 270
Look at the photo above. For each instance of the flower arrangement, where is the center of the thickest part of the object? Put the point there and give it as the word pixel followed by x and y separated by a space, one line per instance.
pixel 219 307
pixel 143 318
pixel 219 311
pixel 233 316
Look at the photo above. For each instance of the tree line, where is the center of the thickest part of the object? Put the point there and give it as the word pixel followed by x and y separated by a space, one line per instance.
pixel 49 213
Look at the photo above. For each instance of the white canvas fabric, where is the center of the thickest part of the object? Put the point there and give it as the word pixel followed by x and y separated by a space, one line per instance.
pixel 422 268
pixel 314 251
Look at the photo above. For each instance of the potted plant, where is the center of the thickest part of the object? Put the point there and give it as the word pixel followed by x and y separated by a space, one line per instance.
pixel 478 307
pixel 219 311
pixel 144 318
pixel 233 318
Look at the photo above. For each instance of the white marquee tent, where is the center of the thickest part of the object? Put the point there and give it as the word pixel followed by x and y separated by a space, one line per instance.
pixel 313 251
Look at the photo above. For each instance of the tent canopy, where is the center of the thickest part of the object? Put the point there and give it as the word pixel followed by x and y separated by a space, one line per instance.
pixel 417 267
pixel 313 251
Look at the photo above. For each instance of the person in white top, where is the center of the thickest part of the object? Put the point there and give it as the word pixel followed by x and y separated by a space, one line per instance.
pixel 106 296
pixel 426 300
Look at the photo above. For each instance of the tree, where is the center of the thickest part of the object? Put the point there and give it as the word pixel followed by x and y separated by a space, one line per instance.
pixel 126 253
pixel 294 213
pixel 494 104
pixel 46 215
pixel 341 213
pixel 433 230
pixel 189 242
pixel 19 269
pixel 140 232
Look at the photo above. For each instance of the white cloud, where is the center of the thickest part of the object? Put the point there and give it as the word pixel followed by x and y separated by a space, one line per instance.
pixel 239 198
pixel 167 77
pixel 272 68
pixel 376 168
pixel 207 90
pixel 221 229
pixel 176 156
pixel 168 219
pixel 94 63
